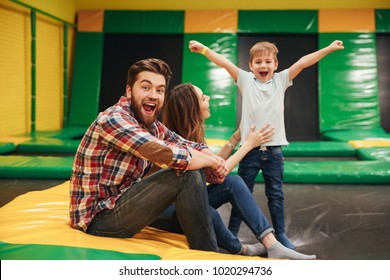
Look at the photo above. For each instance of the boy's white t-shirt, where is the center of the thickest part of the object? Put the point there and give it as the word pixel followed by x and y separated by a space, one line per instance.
pixel 263 103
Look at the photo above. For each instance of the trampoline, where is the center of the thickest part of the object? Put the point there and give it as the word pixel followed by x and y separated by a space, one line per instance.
pixel 337 172
pixel 333 221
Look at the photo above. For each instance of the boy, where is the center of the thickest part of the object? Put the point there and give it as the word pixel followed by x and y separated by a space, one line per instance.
pixel 262 92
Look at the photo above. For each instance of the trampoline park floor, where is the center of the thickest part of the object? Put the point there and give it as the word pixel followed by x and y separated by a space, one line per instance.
pixel 335 222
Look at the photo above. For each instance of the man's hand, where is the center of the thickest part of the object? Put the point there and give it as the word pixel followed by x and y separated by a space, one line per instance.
pixel 217 172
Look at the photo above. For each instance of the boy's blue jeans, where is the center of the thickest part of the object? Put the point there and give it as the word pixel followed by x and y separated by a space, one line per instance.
pixel 271 162
pixel 144 202
pixel 234 191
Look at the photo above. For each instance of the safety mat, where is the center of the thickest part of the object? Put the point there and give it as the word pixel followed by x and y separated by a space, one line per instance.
pixel 39 220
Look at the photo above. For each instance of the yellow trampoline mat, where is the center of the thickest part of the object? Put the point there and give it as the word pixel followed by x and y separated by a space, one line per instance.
pixel 42 217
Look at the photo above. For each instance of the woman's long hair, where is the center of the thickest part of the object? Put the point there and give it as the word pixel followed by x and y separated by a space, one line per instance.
pixel 182 113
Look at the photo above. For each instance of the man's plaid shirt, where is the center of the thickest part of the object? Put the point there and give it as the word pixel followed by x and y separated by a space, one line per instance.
pixel 109 160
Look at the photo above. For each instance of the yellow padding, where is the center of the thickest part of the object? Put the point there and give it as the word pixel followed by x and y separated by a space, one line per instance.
pixel 358 20
pixel 216 142
pixel 90 21
pixel 15 140
pixel 42 217
pixel 370 143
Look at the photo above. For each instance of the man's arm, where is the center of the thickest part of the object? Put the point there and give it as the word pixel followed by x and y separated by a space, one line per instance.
pixel 214 57
pixel 312 58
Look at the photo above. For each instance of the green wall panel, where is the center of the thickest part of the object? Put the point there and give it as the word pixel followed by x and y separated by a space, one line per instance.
pixel 213 80
pixel 278 21
pixel 144 22
pixel 348 83
pixel 382 20
pixel 84 100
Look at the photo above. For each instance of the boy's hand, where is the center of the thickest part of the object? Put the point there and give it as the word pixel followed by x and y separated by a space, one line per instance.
pixel 336 45
pixel 196 47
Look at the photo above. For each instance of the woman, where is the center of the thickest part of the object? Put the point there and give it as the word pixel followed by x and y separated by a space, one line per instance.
pixel 186 108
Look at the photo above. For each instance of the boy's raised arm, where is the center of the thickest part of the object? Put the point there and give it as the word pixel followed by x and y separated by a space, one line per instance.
pixel 214 57
pixel 312 58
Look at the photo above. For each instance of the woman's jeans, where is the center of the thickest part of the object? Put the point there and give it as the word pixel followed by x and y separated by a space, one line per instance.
pixel 234 191
pixel 144 202
pixel 271 162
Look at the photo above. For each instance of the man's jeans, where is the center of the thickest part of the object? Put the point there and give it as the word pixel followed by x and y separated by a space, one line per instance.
pixel 143 203
pixel 234 191
pixel 271 162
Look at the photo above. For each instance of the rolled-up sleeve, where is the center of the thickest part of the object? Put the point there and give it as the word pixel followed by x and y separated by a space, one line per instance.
pixel 126 134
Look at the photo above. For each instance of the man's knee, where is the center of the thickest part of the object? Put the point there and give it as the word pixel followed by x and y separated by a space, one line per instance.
pixel 193 177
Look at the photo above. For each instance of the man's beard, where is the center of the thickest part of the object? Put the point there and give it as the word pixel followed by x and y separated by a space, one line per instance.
pixel 147 121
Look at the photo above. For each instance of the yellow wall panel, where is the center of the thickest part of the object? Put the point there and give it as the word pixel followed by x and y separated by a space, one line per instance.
pixel 15 78
pixel 64 10
pixel 49 66
pixel 213 21
pixel 346 20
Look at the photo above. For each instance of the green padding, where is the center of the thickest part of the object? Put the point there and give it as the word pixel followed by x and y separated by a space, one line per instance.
pixel 374 153
pixel 213 80
pixel 84 100
pixel 144 22
pixel 347 172
pixel 348 83
pixel 352 134
pixel 54 252
pixel 334 172
pixel 320 148
pixel 49 145
pixel 305 21
pixel 382 20
pixel 38 167
pixel 72 132
pixel 7 148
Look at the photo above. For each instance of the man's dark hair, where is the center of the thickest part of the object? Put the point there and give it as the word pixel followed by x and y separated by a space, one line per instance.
pixel 154 65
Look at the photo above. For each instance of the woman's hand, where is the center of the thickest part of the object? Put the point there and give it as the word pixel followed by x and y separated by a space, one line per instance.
pixel 259 137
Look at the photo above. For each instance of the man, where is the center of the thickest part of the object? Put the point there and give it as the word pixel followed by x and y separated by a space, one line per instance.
pixel 109 192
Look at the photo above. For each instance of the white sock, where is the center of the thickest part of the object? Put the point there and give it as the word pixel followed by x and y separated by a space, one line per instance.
pixel 256 249
pixel 278 251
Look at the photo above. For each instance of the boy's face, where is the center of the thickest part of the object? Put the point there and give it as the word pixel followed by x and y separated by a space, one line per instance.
pixel 147 96
pixel 263 66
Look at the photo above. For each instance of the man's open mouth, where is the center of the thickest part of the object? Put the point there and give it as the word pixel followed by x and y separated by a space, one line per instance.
pixel 149 107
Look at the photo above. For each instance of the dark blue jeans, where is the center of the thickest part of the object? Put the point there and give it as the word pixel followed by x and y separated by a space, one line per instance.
pixel 144 202
pixel 234 191
pixel 271 162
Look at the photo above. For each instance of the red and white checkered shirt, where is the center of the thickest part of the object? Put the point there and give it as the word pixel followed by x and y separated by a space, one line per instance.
pixel 108 160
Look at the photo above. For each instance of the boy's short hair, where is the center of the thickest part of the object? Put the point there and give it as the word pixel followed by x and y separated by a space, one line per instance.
pixel 263 47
